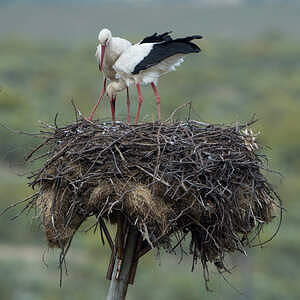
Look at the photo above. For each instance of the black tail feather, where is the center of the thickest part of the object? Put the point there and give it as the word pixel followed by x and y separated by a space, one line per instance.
pixel 156 38
pixel 189 38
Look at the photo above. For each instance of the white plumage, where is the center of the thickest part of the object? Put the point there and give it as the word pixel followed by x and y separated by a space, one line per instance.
pixel 108 51
pixel 125 65
pixel 145 62
pixel 115 87
pixel 113 50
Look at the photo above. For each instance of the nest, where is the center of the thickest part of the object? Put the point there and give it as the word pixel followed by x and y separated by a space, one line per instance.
pixel 186 186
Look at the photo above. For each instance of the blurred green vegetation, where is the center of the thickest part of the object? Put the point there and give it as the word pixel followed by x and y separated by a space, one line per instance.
pixel 229 81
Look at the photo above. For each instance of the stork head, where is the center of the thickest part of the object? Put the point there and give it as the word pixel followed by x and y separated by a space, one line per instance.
pixel 104 38
pixel 114 87
pixel 111 92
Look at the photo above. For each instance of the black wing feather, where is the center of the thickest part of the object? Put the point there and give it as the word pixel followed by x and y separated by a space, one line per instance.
pixel 157 38
pixel 167 49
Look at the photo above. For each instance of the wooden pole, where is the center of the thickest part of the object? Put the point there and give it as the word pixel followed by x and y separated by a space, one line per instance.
pixel 122 268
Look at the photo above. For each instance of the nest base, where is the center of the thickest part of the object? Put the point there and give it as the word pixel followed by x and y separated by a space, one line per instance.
pixel 169 180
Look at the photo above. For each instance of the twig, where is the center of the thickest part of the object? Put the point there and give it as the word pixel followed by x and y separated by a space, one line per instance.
pixel 107 234
pixel 176 110
pixel 148 173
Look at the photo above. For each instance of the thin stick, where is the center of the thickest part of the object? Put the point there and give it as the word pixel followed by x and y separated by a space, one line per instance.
pixel 175 111
pixel 27 157
pixel 107 234
pixel 144 251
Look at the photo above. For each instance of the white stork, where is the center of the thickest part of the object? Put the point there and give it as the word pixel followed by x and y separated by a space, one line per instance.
pixel 108 51
pixel 113 88
pixel 155 55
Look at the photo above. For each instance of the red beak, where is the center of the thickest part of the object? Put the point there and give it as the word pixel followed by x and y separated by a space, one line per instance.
pixel 102 57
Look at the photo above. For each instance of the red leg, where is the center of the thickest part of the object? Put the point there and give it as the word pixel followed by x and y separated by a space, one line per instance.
pixel 113 108
pixel 128 104
pixel 140 101
pixel 90 117
pixel 157 99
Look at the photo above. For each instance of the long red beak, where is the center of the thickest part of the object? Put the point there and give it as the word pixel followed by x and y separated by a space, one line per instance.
pixel 102 57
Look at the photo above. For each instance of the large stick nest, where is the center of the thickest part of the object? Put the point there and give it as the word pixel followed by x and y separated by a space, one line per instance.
pixel 174 181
